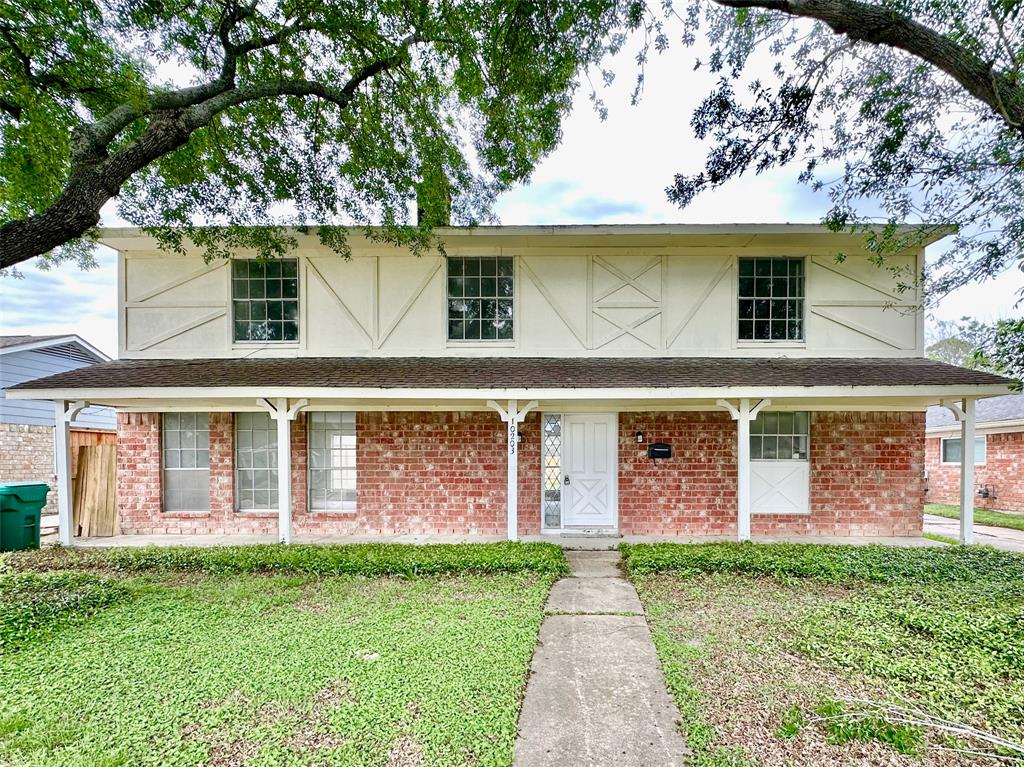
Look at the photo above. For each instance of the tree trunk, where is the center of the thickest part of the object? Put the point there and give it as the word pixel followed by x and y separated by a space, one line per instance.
pixel 88 189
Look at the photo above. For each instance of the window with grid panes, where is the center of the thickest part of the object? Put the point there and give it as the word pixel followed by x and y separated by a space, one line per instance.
pixel 255 461
pixel 771 299
pixel 185 454
pixel 480 291
pixel 551 470
pixel 780 436
pixel 265 300
pixel 332 461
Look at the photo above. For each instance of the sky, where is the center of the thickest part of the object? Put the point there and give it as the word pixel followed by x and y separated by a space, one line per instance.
pixel 611 172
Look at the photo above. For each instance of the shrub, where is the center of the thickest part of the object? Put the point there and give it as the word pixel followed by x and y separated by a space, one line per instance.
pixel 833 564
pixel 33 602
pixel 369 559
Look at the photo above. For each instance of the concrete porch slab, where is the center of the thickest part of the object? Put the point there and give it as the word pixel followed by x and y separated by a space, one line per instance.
pixel 594 564
pixel 593 596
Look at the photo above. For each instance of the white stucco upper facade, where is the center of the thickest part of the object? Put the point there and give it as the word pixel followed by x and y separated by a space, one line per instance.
pixel 597 291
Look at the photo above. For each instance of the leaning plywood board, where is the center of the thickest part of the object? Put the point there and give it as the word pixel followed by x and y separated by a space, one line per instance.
pixel 95 499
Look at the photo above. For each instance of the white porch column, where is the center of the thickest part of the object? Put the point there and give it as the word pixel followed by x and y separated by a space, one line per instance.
pixel 512 417
pixel 63 415
pixel 743 415
pixel 284 416
pixel 963 411
pixel 967 473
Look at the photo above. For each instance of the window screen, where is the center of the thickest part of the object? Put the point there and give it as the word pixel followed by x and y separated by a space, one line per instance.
pixel 332 461
pixel 265 300
pixel 780 436
pixel 255 461
pixel 480 299
pixel 951 450
pixel 185 448
pixel 771 299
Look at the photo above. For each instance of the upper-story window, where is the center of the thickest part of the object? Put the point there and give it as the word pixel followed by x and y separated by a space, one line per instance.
pixel 480 291
pixel 265 300
pixel 771 299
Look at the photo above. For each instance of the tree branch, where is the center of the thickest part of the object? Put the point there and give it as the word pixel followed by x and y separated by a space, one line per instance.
pixel 881 26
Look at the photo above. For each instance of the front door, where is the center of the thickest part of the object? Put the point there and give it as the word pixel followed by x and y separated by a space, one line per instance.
pixel 588 481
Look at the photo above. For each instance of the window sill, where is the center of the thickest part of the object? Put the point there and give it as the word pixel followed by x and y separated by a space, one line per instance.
pixel 184 514
pixel 773 344
pixel 332 512
pixel 481 344
pixel 257 512
pixel 780 513
pixel 266 345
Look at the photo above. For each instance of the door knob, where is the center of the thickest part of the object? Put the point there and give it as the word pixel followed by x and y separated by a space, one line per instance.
pixel 567 479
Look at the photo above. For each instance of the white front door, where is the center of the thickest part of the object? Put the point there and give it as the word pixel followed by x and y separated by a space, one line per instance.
pixel 590 464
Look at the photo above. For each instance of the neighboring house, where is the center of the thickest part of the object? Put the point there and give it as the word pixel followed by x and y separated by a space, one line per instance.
pixel 998 454
pixel 521 384
pixel 26 426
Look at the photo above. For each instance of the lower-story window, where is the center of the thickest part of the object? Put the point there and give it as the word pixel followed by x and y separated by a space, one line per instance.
pixel 185 457
pixel 952 450
pixel 779 467
pixel 255 461
pixel 332 461
pixel 551 470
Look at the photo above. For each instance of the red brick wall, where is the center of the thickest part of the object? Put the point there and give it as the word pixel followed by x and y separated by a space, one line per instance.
pixel 417 473
pixel 437 473
pixel 691 493
pixel 866 476
pixel 1003 469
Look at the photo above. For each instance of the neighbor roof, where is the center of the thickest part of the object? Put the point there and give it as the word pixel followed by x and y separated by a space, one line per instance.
pixel 992 410
pixel 54 344
pixel 513 373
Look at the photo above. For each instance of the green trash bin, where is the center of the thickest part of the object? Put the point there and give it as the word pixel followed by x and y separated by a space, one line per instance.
pixel 21 504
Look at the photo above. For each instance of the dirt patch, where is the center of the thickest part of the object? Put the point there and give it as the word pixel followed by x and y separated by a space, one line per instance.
pixel 309 725
pixel 748 678
pixel 406 751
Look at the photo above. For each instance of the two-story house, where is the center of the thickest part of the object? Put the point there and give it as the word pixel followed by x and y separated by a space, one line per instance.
pixel 675 380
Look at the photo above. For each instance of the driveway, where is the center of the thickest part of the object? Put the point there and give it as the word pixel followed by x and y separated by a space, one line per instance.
pixel 998 537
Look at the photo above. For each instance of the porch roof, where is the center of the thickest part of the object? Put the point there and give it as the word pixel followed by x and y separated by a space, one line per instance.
pixel 461 378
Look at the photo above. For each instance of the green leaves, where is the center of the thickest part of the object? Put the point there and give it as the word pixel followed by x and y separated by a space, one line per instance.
pixel 290 113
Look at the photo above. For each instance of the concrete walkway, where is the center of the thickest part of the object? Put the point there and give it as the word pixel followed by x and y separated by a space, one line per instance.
pixel 1004 538
pixel 596 694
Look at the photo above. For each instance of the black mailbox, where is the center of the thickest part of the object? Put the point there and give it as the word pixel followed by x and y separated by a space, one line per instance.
pixel 659 450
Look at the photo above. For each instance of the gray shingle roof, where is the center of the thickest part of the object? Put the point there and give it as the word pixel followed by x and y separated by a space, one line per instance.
pixel 513 372
pixel 993 409
pixel 7 341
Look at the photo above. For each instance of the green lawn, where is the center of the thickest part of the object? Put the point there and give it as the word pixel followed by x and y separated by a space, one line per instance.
pixel 981 516
pixel 789 654
pixel 177 658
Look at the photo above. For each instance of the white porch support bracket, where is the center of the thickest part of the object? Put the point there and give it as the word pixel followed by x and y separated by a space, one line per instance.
pixel 964 413
pixel 283 414
pixel 512 416
pixel 63 414
pixel 743 415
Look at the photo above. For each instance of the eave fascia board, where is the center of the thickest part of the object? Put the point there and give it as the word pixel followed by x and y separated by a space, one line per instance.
pixel 988 427
pixel 639 393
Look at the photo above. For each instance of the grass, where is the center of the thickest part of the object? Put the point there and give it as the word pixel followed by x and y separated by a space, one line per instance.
pixel 981 516
pixel 354 559
pixel 198 657
pixel 941 538
pixel 767 648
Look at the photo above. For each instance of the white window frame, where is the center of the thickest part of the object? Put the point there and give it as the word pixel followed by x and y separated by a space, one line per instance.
pixel 232 299
pixel 348 418
pixel 271 469
pixel 484 342
pixel 738 297
pixel 983 439
pixel 201 446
